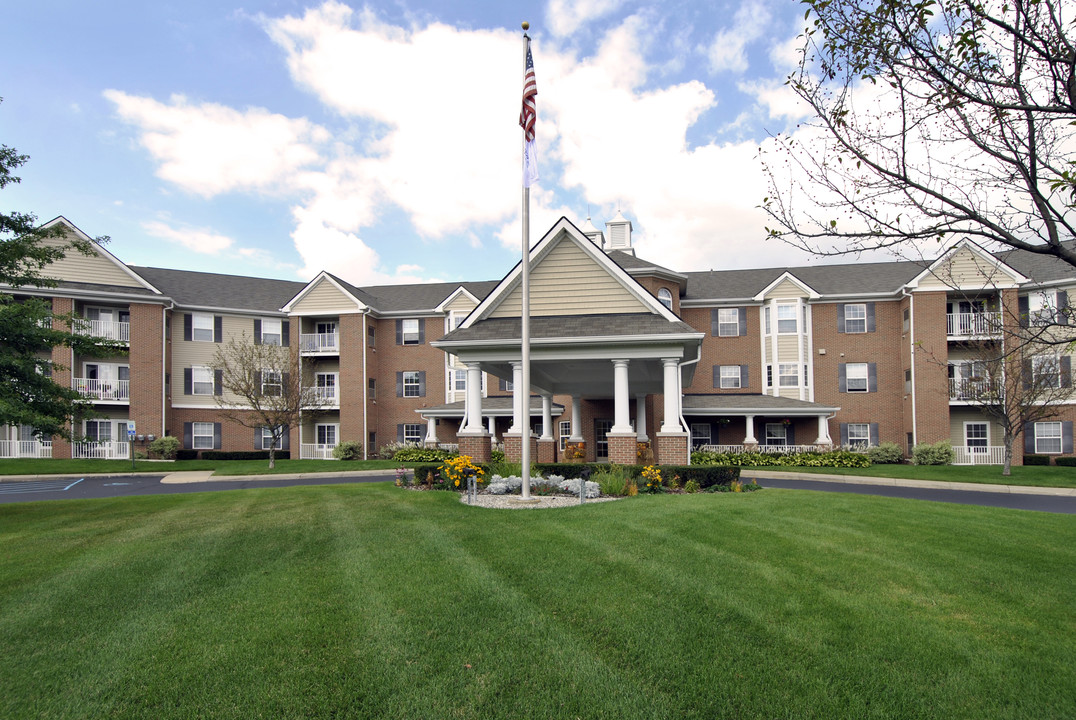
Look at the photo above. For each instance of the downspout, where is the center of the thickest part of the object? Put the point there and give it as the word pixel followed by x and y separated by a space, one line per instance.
pixel 680 389
pixel 911 355
pixel 365 388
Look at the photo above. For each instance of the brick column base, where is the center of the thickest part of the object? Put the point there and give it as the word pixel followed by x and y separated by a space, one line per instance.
pixel 477 446
pixel 61 448
pixel 673 449
pixel 622 448
pixel 513 447
pixel 547 451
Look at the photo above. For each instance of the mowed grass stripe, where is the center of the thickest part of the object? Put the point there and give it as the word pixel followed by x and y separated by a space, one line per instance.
pixel 369 601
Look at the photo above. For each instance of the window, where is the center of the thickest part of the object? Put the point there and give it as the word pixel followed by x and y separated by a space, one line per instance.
pixel 371 336
pixel 769 376
pixel 908 382
pixel 409 330
pixel 728 322
pixel 976 436
pixel 1046 371
pixel 99 431
pixel 505 385
pixel 776 434
pixel 730 376
pixel 454 319
pixel 1048 437
pixel 326 386
pixel 272 383
pixel 414 432
pixel 1041 307
pixel 326 434
pixel 459 380
pixel 665 297
pixel 271 332
pixel 700 434
pixel 856 377
pixel 855 318
pixel 786 319
pixel 202 381
pixel 859 435
pixel 766 318
pixel 412 384
pixel 266 440
pixel 564 429
pixel 907 320
pixel 201 327
pixel 788 375
pixel 202 435
pixel 372 385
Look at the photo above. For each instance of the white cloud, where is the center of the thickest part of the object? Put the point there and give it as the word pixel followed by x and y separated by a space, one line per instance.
pixel 785 56
pixel 199 240
pixel 728 51
pixel 567 16
pixel 778 98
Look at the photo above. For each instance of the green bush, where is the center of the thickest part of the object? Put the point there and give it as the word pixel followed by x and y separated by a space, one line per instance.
pixel 165 447
pixel 348 450
pixel 613 479
pixel 939 453
pixel 496 456
pixel 186 454
pixel 244 455
pixel 1066 461
pixel 1037 460
pixel 704 476
pixel 691 487
pixel 421 454
pixel 887 453
pixel 835 458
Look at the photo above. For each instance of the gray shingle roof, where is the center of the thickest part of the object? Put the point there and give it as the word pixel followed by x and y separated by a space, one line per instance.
pixel 860 278
pixel 1040 268
pixel 424 296
pixel 695 404
pixel 123 289
pixel 571 326
pixel 201 289
pixel 630 262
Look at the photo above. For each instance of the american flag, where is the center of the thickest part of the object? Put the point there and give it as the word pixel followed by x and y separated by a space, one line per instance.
pixel 528 114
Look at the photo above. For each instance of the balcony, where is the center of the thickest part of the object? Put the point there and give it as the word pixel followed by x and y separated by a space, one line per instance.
pixel 117 391
pixel 319 344
pixel 25 448
pixel 978 455
pixel 101 450
pixel 972 325
pixel 971 390
pixel 107 329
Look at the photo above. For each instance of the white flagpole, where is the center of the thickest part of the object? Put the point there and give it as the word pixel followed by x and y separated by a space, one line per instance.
pixel 525 320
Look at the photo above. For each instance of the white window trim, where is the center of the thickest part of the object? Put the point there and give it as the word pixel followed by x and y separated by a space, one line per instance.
pixel 564 430
pixel 859 440
pixel 195 426
pixel 272 338
pixel 735 322
pixel 267 434
pixel 782 375
pixel 696 435
pixel 848 377
pixel 861 307
pixel 795 318
pixel 336 433
pixel 783 435
pixel 198 319
pixel 730 376
pixel 195 370
pixel 409 337
pixel 1054 368
pixel 1041 308
pixel 665 297
pixel 1059 437
pixel 978 448
pixel 418 435
pixel 416 386
pixel 98 423
pixel 272 379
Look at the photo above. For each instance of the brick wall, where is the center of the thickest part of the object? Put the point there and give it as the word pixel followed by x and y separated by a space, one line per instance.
pixel 147 368
pixel 62 359
pixel 931 357
pixel 233 436
pixel 393 358
pixel 353 377
pixel 740 350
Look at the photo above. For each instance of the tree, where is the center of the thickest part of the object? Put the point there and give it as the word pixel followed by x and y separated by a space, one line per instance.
pixel 28 328
pixel 931 118
pixel 268 382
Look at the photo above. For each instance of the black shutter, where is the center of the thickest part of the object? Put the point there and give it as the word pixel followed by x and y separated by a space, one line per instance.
pixel 1066 371
pixel 258 439
pixel 257 332
pixel 1029 438
pixel 870 317
pixel 713 323
pixel 399 433
pixel 743 376
pixel 874 435
pixel 844 435
pixel 842 378
pixel 258 380
pixel 422 383
pixel 218 329
pixel 717 376
pixel 872 377
pixel 790 435
pixel 1024 309
pixel 840 318
pixel 399 384
pixel 216 436
pixel 1066 437
pixel 188 382
pixel 399 332
pixel 284 382
pixel 218 382
pixel 285 440
pixel 188 327
pixel 285 333
pixel 421 331
pixel 1062 307
pixel 1029 374
pixel 742 313
pixel 188 435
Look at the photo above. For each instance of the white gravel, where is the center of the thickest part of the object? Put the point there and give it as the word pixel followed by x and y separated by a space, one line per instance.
pixel 512 502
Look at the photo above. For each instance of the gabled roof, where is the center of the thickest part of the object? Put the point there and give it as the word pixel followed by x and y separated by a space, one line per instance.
pixel 347 290
pixel 789 277
pixel 461 290
pixel 421 297
pixel 1040 268
pixel 100 250
pixel 598 328
pixel 217 291
pixel 980 254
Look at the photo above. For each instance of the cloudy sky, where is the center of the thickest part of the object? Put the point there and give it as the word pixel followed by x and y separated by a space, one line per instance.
pixel 380 141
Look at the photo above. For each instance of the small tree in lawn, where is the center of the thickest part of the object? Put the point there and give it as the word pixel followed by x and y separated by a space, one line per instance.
pixel 263 387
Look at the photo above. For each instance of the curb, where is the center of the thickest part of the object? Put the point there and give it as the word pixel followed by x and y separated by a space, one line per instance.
pixel 904 482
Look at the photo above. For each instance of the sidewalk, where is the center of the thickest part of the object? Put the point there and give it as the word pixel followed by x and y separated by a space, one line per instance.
pixel 193 476
pixel 904 482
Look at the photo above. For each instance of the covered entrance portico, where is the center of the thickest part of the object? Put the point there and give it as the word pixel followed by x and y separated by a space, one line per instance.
pixel 737 423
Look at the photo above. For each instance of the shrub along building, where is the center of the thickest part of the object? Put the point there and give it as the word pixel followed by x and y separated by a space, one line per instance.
pixel 624 351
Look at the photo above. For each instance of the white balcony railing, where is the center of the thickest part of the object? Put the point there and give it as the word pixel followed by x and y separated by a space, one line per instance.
pixel 107 329
pixel 311 343
pixel 977 324
pixel 25 448
pixel 971 390
pixel 964 455
pixel 108 390
pixel 101 450
pixel 313 451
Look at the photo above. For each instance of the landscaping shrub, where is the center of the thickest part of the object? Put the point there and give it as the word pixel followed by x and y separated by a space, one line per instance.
pixel 704 476
pixel 835 458
pixel 417 453
pixel 348 450
pixel 244 455
pixel 568 470
pixel 1065 461
pixel 165 447
pixel 613 479
pixel 691 486
pixel 652 480
pixel 496 456
pixel 1037 460
pixel 939 453
pixel 736 486
pixel 887 453
pixel 456 470
pixel 186 454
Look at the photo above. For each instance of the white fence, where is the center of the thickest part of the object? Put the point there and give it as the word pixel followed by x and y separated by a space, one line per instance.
pixel 964 455
pixel 25 448
pixel 961 389
pixel 779 449
pixel 326 395
pixel 313 451
pixel 972 324
pixel 107 329
pixel 101 450
pixel 117 390
pixel 319 343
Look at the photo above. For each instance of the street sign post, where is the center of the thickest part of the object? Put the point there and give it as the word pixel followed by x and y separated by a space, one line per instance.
pixel 130 440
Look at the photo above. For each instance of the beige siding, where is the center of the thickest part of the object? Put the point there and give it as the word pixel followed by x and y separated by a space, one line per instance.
pixel 788 348
pixel 462 304
pixel 324 298
pixel 958 416
pixel 964 271
pixel 96 268
pixel 569 282
pixel 786 289
pixel 187 354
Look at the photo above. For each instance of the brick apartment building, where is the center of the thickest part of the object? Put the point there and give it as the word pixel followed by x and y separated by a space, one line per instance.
pixel 623 351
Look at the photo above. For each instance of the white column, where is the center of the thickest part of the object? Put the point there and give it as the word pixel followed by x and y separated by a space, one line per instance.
pixel 518 423
pixel 577 420
pixel 474 398
pixel 431 430
pixel 823 431
pixel 640 418
pixel 750 437
pixel 671 422
pixel 547 417
pixel 621 410
pixel 493 428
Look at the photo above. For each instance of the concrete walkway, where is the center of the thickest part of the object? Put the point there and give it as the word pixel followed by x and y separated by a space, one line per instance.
pixel 200 476
pixel 904 482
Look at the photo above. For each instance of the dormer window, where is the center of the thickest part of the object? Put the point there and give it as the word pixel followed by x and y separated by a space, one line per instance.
pixel 665 297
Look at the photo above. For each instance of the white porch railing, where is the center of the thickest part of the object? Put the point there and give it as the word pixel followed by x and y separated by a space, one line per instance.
pixel 972 324
pixel 964 455
pixel 779 449
pixel 450 447
pixel 25 448
pixel 115 390
pixel 960 389
pixel 101 450
pixel 326 395
pixel 108 329
pixel 313 451
pixel 319 343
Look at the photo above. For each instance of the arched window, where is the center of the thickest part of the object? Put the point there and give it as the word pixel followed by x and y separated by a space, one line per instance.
pixel 665 297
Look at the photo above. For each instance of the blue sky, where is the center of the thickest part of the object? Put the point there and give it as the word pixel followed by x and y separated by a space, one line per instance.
pixel 380 141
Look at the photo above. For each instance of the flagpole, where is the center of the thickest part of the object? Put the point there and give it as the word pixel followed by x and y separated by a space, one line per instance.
pixel 525 320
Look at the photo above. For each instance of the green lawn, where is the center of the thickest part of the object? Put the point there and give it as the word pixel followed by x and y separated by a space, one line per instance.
pixel 224 467
pixel 371 601
pixel 1041 475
